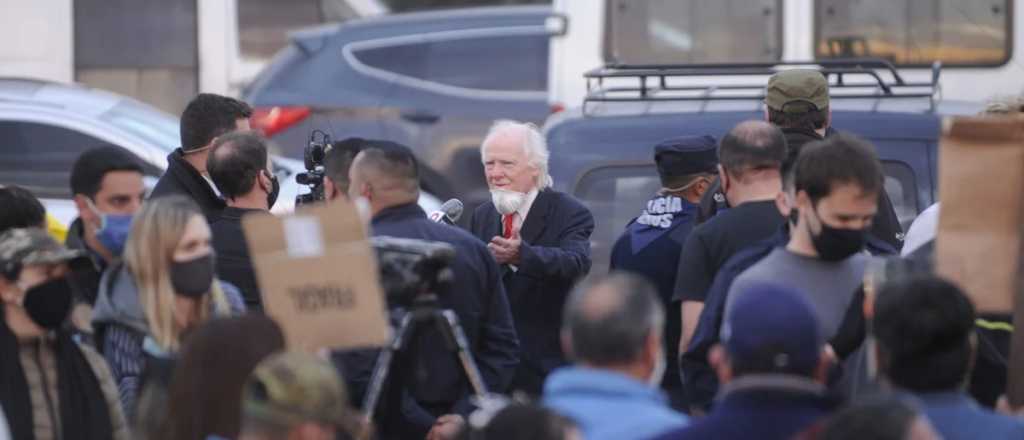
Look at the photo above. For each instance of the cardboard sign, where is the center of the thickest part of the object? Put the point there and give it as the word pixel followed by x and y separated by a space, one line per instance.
pixel 981 223
pixel 981 182
pixel 318 276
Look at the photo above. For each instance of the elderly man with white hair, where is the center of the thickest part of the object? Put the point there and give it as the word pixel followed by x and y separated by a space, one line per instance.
pixel 540 237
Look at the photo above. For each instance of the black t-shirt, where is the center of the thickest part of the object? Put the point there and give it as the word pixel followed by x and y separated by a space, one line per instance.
pixel 711 244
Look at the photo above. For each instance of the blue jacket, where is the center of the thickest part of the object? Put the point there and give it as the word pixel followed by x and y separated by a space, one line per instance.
pixel 766 407
pixel 477 298
pixel 653 251
pixel 958 417
pixel 610 406
pixel 700 384
pixel 555 253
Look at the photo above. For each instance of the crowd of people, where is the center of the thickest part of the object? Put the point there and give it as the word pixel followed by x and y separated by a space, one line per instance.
pixel 735 305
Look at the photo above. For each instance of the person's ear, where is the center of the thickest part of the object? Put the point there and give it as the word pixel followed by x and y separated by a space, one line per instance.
pixel 366 191
pixel 85 211
pixel 719 361
pixel 652 347
pixel 566 341
pixel 803 201
pixel 9 291
pixel 826 359
pixel 263 181
pixel 782 204
pixel 702 186
pixel 330 191
pixel 723 178
pixel 311 431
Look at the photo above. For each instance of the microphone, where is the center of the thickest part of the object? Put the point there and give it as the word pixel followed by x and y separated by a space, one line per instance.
pixel 449 213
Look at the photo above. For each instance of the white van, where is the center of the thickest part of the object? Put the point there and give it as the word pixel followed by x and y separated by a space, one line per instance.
pixel 975 40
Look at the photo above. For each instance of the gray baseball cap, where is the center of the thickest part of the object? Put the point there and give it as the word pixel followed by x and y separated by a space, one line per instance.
pixel 22 246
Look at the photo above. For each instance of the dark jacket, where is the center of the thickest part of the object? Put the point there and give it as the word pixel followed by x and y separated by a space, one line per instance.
pixel 87 278
pixel 478 299
pixel 956 416
pixel 654 253
pixel 699 381
pixel 234 264
pixel 181 178
pixel 886 225
pixel 121 329
pixel 555 253
pixel 768 407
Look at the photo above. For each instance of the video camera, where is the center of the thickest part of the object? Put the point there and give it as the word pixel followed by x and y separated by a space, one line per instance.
pixel 313 158
pixel 412 269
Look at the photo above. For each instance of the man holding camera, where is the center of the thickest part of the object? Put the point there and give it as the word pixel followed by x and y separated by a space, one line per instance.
pixel 386 176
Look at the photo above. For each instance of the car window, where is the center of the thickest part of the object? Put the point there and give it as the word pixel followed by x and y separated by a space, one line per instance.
pixel 915 32
pixel 155 126
pixel 505 62
pixel 693 31
pixel 614 195
pixel 900 186
pixel 617 194
pixel 39 156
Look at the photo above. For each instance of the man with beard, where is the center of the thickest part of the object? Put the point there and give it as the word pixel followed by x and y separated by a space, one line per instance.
pixel 652 243
pixel 539 236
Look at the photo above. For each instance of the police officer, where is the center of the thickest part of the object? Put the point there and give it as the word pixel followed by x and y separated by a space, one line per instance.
pixel 652 242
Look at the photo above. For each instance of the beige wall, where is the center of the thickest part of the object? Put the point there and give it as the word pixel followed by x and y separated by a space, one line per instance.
pixel 37 39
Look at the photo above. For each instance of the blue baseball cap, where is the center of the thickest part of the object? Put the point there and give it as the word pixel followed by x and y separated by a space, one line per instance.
pixel 685 156
pixel 772 329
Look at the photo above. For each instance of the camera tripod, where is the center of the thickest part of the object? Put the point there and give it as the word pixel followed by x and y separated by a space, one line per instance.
pixel 425 308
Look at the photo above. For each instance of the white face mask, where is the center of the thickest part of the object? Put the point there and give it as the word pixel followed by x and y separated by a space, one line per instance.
pixel 659 370
pixel 507 202
pixel 363 209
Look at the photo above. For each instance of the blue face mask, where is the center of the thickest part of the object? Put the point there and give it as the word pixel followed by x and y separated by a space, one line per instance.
pixel 113 231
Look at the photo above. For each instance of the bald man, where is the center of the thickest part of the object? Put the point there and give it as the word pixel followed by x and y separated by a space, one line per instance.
pixel 612 331
pixel 386 177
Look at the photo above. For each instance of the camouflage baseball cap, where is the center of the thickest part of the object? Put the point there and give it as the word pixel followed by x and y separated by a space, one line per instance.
pixel 797 91
pixel 22 246
pixel 289 388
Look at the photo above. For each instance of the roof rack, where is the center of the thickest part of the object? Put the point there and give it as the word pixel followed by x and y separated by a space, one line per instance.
pixel 871 73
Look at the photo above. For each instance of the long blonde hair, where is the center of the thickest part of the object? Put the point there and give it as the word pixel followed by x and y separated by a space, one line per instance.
pixel 156 231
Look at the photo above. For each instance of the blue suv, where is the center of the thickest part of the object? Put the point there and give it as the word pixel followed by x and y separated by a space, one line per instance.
pixel 602 152
pixel 434 81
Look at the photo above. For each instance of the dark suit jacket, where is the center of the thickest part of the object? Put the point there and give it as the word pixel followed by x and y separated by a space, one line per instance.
pixel 181 178
pixel 479 301
pixel 234 264
pixel 555 253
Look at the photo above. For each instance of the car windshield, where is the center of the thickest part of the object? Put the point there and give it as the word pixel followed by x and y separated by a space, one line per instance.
pixel 155 126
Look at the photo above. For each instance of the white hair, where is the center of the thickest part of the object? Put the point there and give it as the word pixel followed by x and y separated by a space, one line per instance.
pixel 534 145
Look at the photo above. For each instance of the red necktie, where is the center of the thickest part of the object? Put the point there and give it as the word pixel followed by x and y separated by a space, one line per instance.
pixel 507 222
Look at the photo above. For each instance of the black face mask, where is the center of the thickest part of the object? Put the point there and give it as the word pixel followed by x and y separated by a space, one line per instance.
pixel 48 304
pixel 835 244
pixel 275 189
pixel 192 279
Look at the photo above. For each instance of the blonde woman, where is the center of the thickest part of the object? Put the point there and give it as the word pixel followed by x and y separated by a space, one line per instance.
pixel 164 287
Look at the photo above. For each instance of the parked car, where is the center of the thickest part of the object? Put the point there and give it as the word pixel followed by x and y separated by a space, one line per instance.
pixel 602 153
pixel 432 80
pixel 45 126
